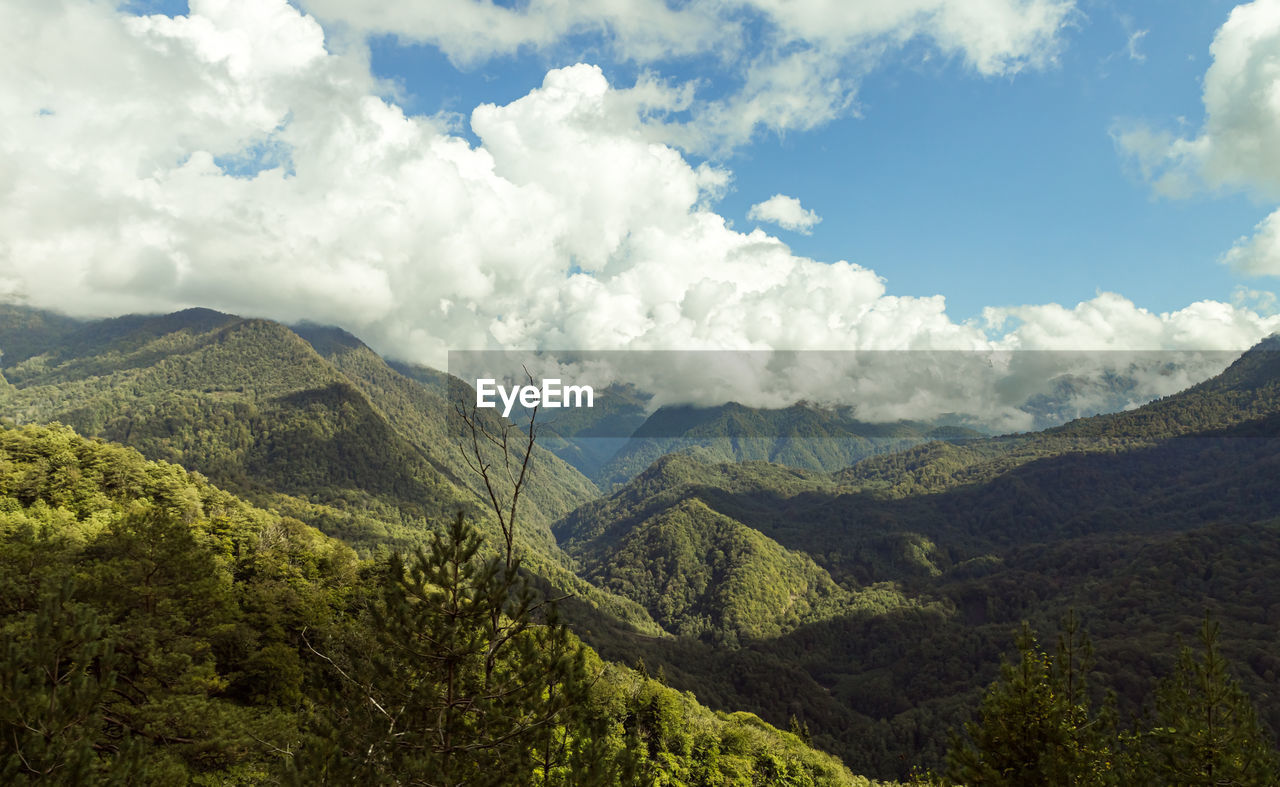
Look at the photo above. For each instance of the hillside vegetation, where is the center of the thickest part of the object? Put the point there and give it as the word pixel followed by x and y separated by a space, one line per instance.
pixel 1139 521
pixel 159 630
pixel 864 608
pixel 801 436
pixel 319 428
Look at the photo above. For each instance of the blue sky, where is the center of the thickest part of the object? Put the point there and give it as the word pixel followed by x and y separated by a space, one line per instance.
pixel 990 190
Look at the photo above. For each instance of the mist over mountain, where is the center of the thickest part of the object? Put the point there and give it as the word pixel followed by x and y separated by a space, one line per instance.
pixel 987 389
pixel 597 394
pixel 862 578
pixel 941 549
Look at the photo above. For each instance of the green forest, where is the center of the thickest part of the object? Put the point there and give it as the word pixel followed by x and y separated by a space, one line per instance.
pixel 159 630
pixel 237 552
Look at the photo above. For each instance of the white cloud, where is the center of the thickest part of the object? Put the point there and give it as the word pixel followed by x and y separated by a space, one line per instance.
pixel 1113 322
pixel 1239 143
pixel 1133 47
pixel 472 31
pixel 1261 301
pixel 232 159
pixel 1258 254
pixel 785 64
pixel 994 37
pixel 786 212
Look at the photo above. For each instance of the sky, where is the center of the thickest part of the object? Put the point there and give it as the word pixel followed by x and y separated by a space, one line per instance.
pixel 937 172
pixel 653 174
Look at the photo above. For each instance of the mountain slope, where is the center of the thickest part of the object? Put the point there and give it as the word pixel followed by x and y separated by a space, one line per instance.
pixel 1138 521
pixel 159 630
pixel 597 525
pixel 245 401
pixel 800 436
pixel 423 413
pixel 700 572
pixel 347 445
pixel 1247 390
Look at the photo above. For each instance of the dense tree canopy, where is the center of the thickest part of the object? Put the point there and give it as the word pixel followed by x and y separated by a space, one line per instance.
pixel 869 606
pixel 161 631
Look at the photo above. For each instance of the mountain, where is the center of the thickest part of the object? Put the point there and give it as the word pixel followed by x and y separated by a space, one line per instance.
pixel 1247 390
pixel 31 331
pixel 589 438
pixel 253 405
pixel 423 413
pixel 804 436
pixel 1139 521
pixel 698 572
pixel 159 630
pixel 780 562
pixel 1183 461
pixel 319 427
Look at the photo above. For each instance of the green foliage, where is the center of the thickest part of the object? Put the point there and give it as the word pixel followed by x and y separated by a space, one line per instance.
pixel 1036 728
pixel 56 672
pixel 698 572
pixel 158 630
pixel 933 554
pixel 311 423
pixel 454 682
pixel 138 602
pixel 1205 729
pixel 1133 539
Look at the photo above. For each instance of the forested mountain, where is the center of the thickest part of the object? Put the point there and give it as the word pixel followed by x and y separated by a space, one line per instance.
pixel 150 381
pixel 1247 391
pixel 803 436
pixel 422 410
pixel 589 438
pixel 319 428
pixel 783 563
pixel 698 571
pixel 1140 521
pixel 158 630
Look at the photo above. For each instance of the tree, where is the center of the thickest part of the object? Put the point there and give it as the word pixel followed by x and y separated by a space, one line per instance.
pixel 466 677
pixel 1036 726
pixel 57 669
pixel 1205 729
pixel 435 696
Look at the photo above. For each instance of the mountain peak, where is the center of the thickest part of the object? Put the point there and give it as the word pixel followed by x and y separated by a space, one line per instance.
pixel 1257 367
pixel 328 340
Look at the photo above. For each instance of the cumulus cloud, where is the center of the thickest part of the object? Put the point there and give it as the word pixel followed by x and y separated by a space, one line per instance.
pixel 994 36
pixel 784 64
pixel 1258 254
pixel 786 212
pixel 472 31
pixel 233 159
pixel 1239 144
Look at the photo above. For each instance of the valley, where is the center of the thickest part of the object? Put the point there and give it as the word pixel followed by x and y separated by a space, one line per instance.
pixel 858 582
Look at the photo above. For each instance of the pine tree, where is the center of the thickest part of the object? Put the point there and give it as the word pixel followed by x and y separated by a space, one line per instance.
pixel 1205 729
pixel 1035 723
pixel 56 672
pixel 442 696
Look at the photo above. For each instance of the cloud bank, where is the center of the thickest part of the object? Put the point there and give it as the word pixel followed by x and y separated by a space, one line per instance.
pixel 234 159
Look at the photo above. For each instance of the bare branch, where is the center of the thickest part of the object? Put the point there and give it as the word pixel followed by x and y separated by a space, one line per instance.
pixel 355 682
